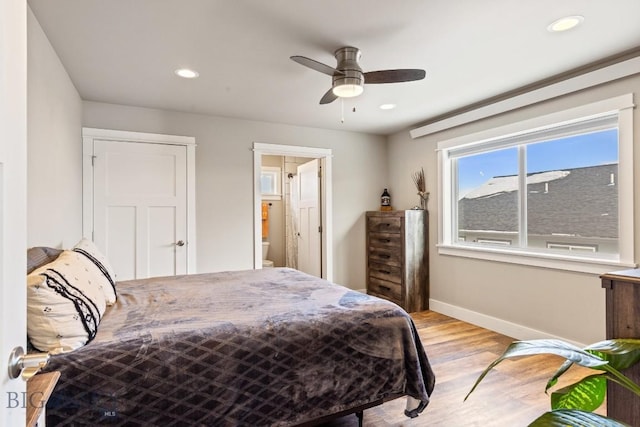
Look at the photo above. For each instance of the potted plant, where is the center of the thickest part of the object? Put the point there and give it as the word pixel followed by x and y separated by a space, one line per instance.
pixel 573 405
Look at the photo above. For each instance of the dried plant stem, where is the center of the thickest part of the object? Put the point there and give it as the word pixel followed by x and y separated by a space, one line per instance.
pixel 419 181
pixel 421 185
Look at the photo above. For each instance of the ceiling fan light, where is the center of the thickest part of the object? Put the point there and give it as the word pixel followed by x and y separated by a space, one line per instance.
pixel 348 90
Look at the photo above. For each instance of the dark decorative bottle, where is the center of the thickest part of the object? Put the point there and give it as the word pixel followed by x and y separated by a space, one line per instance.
pixel 385 201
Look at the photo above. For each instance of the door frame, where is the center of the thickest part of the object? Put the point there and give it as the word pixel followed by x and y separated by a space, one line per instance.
pixel 91 134
pixel 325 155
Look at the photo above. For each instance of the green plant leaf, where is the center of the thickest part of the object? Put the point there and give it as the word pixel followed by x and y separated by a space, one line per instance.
pixel 561 370
pixel 585 395
pixel 620 353
pixel 533 347
pixel 573 418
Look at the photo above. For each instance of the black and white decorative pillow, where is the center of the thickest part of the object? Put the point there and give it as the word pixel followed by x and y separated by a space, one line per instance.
pixel 99 262
pixel 65 304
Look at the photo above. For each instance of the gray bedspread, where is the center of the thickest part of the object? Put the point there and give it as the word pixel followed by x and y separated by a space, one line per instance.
pixel 271 347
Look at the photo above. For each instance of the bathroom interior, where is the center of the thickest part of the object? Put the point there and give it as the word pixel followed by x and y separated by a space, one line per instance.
pixel 279 222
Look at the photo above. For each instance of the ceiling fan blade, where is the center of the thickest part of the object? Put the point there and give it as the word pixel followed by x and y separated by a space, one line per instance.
pixel 328 97
pixel 393 76
pixel 315 65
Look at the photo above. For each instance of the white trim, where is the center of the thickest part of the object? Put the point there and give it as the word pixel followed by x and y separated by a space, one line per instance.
pixel 191 209
pixel 504 327
pixel 626 205
pixel 89 135
pixel 574 84
pixel 291 150
pixel 598 108
pixel 568 262
pixel 325 156
pixel 128 136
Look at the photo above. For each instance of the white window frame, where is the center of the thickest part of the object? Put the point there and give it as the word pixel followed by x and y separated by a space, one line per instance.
pixel 275 192
pixel 623 106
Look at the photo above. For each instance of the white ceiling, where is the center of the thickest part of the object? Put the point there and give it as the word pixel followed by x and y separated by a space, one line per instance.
pixel 126 51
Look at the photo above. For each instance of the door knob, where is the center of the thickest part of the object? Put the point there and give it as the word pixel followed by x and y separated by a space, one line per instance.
pixel 26 365
pixel 180 243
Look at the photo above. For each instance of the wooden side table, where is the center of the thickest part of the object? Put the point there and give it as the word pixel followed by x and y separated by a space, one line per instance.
pixel 623 321
pixel 39 389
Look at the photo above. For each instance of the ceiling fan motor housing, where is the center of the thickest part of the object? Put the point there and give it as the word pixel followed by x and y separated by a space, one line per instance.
pixel 348 63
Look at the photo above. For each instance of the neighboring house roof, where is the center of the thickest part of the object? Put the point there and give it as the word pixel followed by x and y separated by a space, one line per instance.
pixel 580 202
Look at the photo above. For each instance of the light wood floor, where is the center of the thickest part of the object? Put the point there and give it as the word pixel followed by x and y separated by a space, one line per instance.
pixel 511 395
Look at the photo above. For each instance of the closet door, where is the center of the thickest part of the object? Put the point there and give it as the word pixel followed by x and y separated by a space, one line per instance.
pixel 140 207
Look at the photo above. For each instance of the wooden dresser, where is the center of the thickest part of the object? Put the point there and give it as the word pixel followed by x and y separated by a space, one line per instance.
pixel 398 257
pixel 623 321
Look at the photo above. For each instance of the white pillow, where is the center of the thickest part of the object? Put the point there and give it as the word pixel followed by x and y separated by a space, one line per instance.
pixel 89 250
pixel 64 304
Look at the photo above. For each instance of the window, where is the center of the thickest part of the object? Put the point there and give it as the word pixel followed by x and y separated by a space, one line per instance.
pixel 548 188
pixel 270 183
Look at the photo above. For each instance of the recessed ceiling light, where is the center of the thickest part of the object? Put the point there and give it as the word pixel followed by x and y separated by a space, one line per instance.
pixel 387 106
pixel 187 73
pixel 566 23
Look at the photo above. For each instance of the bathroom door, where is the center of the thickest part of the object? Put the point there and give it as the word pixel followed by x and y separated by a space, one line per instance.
pixel 309 239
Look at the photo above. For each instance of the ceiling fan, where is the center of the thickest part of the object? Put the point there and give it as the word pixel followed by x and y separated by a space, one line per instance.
pixel 348 78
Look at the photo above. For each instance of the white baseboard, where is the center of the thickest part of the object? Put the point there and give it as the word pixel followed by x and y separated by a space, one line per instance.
pixel 363 290
pixel 501 326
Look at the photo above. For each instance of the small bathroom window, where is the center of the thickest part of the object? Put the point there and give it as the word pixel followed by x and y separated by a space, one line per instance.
pixel 270 183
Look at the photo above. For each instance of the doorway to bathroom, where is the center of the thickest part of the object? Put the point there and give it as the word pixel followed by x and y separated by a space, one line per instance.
pixel 292 208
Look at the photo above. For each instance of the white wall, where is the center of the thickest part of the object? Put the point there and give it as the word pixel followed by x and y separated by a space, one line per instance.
pixel 521 300
pixel 276 236
pixel 224 168
pixel 224 180
pixel 54 146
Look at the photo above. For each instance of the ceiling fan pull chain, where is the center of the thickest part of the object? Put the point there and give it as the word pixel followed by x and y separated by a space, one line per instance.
pixel 341 110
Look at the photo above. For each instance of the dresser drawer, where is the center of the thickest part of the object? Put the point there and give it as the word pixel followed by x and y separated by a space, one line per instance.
pixel 382 288
pixel 386 240
pixel 388 256
pixel 387 224
pixel 386 272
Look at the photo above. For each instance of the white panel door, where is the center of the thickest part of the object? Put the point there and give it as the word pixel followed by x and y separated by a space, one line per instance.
pixel 309 241
pixel 140 207
pixel 13 208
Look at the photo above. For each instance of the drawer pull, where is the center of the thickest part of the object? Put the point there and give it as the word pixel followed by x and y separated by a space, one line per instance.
pixel 386 224
pixel 384 271
pixel 384 240
pixel 385 256
pixel 386 288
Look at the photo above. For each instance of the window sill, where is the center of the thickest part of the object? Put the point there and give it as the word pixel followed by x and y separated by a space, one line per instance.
pixel 532 259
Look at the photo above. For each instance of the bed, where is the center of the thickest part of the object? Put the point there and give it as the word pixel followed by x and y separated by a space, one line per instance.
pixel 270 347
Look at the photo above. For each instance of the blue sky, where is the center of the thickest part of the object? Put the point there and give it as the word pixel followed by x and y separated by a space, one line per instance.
pixel 592 149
